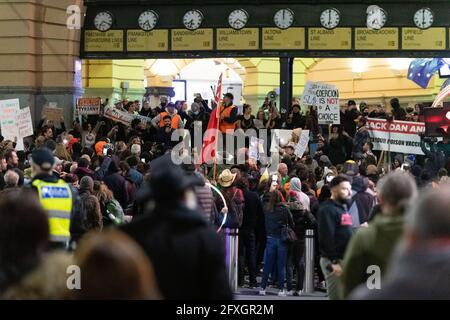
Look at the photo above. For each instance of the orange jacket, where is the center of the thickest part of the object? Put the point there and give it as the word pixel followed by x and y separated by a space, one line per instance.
pixel 175 120
pixel 226 112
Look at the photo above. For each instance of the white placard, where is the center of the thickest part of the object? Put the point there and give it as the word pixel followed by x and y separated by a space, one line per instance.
pixel 8 118
pixel 25 123
pixel 326 98
pixel 301 146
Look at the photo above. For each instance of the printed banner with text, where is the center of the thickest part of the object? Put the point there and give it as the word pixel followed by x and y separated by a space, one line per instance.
pixel 402 136
pixel 88 106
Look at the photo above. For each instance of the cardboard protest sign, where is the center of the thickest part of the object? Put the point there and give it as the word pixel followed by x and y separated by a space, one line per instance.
pixel 396 136
pixel 53 114
pixel 326 98
pixel 88 106
pixel 123 117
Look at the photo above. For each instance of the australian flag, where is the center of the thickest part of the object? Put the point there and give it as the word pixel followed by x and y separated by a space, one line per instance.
pixel 422 70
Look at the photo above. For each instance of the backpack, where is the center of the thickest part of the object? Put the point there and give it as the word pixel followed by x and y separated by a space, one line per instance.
pixel 235 215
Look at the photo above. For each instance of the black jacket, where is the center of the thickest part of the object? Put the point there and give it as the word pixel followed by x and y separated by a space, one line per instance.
pixel 117 184
pixel 276 219
pixel 335 229
pixel 303 220
pixel 187 255
pixel 252 210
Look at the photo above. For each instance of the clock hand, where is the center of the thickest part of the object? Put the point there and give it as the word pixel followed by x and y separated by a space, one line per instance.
pixel 423 17
pixel 329 16
pixel 284 13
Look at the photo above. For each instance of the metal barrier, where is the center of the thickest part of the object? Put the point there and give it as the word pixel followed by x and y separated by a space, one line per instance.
pixel 231 254
pixel 309 262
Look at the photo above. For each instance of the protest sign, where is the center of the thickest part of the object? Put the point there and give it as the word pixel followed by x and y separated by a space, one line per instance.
pixel 326 98
pixel 396 136
pixel 256 148
pixel 88 106
pixel 301 146
pixel 8 118
pixel 54 114
pixel 280 138
pixel 123 117
pixel 25 123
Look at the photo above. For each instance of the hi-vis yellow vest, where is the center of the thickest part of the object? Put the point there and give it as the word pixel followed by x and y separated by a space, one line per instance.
pixel 56 198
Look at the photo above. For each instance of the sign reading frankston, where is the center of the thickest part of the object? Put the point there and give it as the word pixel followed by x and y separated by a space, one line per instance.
pixel 326 98
pixel 155 40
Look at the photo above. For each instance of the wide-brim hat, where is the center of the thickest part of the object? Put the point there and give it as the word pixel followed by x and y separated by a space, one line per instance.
pixel 226 178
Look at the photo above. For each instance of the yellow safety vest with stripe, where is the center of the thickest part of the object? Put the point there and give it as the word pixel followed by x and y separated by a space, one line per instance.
pixel 56 198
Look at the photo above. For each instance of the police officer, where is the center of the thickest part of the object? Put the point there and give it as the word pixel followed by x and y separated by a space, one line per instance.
pixel 55 196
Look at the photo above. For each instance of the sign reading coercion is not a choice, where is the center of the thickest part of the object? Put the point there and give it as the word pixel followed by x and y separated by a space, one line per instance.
pixel 326 98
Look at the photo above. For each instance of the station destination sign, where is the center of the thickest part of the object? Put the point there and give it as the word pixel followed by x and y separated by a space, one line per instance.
pixel 187 40
pixel 384 39
pixel 277 39
pixel 139 40
pixel 429 39
pixel 306 35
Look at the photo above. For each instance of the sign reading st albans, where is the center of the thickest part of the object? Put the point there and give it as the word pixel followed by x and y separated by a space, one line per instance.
pixel 245 39
pixel 155 40
pixel 336 39
pixel 396 136
pixel 186 40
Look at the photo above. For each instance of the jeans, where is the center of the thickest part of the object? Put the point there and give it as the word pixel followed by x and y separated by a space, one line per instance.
pixel 275 256
pixel 333 282
pixel 247 255
pixel 296 259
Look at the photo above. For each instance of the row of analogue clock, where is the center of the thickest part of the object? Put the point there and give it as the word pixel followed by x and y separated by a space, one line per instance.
pixel 283 19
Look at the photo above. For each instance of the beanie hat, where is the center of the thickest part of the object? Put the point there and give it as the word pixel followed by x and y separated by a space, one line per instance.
pixel 86 183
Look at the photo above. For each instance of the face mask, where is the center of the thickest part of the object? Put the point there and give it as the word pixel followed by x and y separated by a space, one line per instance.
pixel 196 112
pixel 163 104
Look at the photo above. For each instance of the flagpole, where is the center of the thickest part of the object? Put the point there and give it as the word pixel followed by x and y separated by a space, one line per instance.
pixel 218 106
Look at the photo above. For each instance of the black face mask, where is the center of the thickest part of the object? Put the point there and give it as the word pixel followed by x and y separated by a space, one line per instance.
pixel 163 104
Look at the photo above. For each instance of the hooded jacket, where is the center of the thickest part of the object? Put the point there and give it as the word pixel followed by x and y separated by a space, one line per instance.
pixel 117 184
pixel 186 253
pixel 370 246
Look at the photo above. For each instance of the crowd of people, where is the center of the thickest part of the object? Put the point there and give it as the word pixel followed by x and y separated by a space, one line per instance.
pixel 107 197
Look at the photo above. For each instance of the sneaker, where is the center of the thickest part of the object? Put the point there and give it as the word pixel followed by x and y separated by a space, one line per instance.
pixel 262 292
pixel 290 293
pixel 282 293
pixel 300 292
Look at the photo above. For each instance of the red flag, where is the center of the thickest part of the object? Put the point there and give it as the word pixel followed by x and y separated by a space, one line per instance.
pixel 209 147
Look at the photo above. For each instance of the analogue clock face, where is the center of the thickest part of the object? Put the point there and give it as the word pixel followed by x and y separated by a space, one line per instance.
pixel 238 19
pixel 424 18
pixel 376 17
pixel 148 20
pixel 103 21
pixel 284 18
pixel 193 19
pixel 330 18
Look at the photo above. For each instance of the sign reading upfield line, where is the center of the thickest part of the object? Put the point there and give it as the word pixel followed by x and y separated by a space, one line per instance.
pixel 326 98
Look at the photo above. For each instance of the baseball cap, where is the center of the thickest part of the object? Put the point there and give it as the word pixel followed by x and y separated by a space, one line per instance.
pixel 43 158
